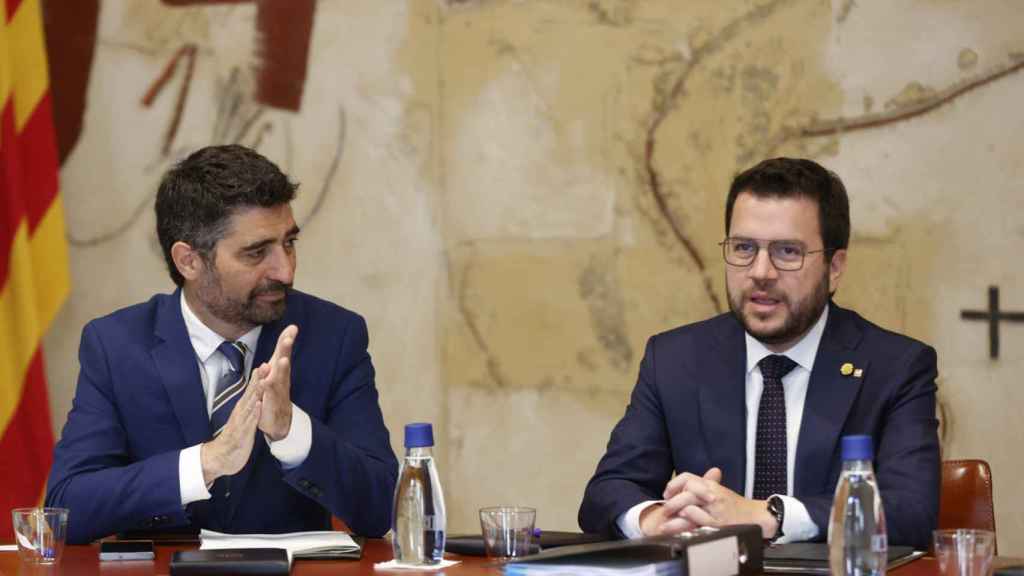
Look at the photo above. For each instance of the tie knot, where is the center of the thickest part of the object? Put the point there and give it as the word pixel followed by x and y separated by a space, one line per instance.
pixel 776 366
pixel 234 352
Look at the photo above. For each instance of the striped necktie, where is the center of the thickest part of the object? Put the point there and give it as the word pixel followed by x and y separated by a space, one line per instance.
pixel 230 386
pixel 770 450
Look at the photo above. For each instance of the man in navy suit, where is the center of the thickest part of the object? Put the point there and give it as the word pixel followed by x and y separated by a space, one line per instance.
pixel 235 403
pixel 747 409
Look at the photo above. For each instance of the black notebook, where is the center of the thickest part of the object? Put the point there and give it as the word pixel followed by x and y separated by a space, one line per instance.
pixel 812 558
pixel 240 562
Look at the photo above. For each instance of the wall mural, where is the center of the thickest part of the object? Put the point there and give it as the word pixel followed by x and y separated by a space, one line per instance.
pixel 275 79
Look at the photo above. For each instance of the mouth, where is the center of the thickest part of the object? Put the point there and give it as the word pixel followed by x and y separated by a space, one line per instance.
pixel 270 296
pixel 764 303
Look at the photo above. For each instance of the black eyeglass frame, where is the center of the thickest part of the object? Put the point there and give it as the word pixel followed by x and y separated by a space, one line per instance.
pixel 725 251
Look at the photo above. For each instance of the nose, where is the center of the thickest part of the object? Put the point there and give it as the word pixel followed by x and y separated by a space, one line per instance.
pixel 282 266
pixel 762 267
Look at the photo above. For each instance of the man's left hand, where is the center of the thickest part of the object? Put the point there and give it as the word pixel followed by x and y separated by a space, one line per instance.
pixel 719 506
pixel 276 416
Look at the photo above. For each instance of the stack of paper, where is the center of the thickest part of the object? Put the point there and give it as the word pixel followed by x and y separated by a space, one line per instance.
pixel 324 544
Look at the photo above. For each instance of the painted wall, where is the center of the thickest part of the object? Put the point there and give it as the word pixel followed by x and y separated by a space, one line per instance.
pixel 516 194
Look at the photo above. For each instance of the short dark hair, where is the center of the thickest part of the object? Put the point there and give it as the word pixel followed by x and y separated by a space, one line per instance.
pixel 799 177
pixel 198 196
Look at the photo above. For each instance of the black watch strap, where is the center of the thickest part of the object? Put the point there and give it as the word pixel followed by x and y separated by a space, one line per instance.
pixel 777 508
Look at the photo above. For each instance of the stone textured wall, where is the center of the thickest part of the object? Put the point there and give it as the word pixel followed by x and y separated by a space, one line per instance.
pixel 516 194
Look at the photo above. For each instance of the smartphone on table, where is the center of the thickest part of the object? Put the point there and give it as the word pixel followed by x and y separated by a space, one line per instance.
pixel 126 550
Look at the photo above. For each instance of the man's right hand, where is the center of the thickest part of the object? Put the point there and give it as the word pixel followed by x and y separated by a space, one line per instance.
pixel 229 451
pixel 669 518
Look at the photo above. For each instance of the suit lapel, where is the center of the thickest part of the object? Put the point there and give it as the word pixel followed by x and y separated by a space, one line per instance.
pixel 830 395
pixel 175 360
pixel 723 405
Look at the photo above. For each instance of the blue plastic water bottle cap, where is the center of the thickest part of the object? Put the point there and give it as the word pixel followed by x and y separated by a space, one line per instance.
pixel 858 448
pixel 419 435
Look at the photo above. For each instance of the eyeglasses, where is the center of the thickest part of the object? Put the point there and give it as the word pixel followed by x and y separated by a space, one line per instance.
pixel 785 255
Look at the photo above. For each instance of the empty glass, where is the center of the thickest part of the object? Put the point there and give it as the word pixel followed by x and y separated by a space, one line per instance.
pixel 40 533
pixel 507 530
pixel 964 552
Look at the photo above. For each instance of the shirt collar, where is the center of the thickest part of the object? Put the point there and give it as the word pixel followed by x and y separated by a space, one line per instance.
pixel 803 352
pixel 204 340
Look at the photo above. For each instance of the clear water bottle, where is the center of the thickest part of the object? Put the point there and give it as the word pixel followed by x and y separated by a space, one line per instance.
pixel 857 542
pixel 418 522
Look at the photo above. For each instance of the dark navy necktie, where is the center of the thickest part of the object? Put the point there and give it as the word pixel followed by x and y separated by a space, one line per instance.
pixel 215 512
pixel 230 386
pixel 770 449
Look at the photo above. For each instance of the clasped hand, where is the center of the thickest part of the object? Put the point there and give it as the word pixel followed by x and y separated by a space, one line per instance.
pixel 265 405
pixel 693 501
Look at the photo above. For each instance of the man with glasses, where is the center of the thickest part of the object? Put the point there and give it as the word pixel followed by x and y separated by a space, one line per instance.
pixel 738 419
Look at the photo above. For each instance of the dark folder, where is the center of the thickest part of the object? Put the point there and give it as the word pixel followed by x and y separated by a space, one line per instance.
pixel 473 545
pixel 727 551
pixel 812 558
pixel 230 562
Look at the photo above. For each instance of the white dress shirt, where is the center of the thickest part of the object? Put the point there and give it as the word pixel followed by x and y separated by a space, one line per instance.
pixel 797 525
pixel 291 450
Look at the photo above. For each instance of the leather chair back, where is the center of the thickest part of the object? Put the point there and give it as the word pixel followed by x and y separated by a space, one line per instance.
pixel 966 496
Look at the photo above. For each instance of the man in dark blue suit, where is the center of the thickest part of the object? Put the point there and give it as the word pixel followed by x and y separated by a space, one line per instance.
pixel 747 409
pixel 235 403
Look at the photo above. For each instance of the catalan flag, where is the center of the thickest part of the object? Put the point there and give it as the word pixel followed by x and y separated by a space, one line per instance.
pixel 34 279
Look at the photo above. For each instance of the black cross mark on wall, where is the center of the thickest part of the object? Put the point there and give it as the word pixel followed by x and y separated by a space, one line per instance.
pixel 993 315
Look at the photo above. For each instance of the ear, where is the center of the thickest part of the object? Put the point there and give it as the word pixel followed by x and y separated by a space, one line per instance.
pixel 835 270
pixel 187 260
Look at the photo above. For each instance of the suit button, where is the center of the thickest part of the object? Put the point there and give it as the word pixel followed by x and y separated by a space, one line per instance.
pixel 304 483
pixel 227 494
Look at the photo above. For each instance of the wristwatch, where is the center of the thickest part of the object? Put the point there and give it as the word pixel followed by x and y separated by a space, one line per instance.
pixel 777 508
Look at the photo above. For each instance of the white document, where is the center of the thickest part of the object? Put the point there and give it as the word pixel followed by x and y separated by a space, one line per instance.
pixel 297 544
pixel 393 566
pixel 714 558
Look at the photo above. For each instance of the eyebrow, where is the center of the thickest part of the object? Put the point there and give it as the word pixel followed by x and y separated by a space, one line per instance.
pixel 749 239
pixel 266 241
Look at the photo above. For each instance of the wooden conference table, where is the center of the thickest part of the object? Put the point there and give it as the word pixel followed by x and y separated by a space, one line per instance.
pixel 84 560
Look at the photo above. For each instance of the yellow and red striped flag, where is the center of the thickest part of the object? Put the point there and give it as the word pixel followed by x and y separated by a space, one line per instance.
pixel 34 279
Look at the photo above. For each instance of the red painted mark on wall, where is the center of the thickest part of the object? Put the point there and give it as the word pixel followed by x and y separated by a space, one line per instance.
pixel 70 43
pixel 284 29
pixel 188 53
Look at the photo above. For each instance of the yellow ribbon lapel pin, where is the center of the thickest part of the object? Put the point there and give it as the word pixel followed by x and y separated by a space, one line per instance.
pixel 848 369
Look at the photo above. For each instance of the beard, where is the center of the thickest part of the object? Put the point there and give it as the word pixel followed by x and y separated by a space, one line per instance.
pixel 247 312
pixel 800 315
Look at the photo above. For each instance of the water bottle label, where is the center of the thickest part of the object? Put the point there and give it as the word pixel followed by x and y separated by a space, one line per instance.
pixel 432 522
pixel 879 543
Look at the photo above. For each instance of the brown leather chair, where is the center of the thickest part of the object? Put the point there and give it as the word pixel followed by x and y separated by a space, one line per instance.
pixel 338 525
pixel 966 497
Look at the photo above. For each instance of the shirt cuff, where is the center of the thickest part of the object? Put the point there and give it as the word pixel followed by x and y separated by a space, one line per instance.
pixel 292 450
pixel 190 475
pixel 629 521
pixel 797 525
